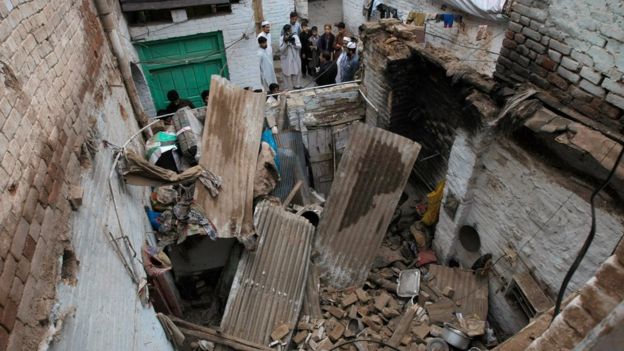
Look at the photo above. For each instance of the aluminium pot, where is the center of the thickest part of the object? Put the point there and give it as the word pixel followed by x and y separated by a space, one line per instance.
pixel 455 337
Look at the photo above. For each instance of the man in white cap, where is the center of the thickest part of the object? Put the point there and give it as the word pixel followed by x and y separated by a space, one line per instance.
pixel 351 64
pixel 342 58
pixel 266 33
pixel 267 71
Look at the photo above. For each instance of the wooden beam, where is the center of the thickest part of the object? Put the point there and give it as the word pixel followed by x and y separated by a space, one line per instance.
pixel 258 14
pixel 215 336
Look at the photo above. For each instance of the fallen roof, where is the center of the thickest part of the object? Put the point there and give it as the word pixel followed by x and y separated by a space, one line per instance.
pixel 470 295
pixel 231 141
pixel 368 184
pixel 269 283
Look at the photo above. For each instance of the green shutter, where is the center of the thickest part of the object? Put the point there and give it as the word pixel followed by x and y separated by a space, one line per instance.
pixel 184 64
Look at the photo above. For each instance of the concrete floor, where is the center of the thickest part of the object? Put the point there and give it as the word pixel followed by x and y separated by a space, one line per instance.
pixel 324 12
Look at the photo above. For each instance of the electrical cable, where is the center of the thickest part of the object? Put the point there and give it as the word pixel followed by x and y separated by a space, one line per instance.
pixel 588 240
pixel 366 340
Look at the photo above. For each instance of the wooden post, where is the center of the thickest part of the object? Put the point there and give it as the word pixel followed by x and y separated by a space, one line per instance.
pixel 258 14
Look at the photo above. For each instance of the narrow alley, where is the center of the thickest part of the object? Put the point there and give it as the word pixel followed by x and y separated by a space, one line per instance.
pixel 274 175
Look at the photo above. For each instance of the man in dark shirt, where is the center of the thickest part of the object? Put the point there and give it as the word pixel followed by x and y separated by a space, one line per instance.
pixel 326 41
pixel 327 71
pixel 175 103
pixel 306 50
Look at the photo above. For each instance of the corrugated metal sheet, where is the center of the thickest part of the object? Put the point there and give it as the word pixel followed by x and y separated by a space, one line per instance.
pixel 231 141
pixel 368 184
pixel 269 284
pixel 292 168
pixel 471 290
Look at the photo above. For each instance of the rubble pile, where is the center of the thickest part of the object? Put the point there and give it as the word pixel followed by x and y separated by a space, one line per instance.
pixel 376 312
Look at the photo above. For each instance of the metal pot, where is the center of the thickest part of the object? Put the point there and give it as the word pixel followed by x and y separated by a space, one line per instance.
pixel 455 337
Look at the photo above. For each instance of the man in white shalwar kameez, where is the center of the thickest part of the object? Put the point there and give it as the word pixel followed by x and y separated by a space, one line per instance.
pixel 342 58
pixel 267 71
pixel 266 32
pixel 290 47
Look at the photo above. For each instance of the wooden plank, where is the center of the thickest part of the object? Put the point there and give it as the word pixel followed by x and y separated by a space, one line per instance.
pixel 213 335
pixel 403 326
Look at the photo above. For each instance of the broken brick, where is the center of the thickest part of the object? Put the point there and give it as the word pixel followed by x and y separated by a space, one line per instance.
pixel 280 332
pixel 336 332
pixel 421 331
pixel 349 299
pixel 75 197
pixel 335 311
pixel 381 301
pixel 362 295
pixel 390 312
pixel 300 337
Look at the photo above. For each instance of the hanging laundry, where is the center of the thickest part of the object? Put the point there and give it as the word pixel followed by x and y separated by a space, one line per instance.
pixel 448 20
pixel 416 18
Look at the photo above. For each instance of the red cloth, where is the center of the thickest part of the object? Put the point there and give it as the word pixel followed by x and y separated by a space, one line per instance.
pixel 426 257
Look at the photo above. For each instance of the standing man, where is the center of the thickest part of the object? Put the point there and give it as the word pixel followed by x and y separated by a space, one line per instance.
pixel 306 50
pixel 265 32
pixel 326 41
pixel 351 64
pixel 327 72
pixel 341 59
pixel 176 103
pixel 294 24
pixel 267 71
pixel 314 39
pixel 342 33
pixel 290 47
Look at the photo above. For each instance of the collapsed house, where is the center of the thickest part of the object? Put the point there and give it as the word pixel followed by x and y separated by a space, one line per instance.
pixel 423 207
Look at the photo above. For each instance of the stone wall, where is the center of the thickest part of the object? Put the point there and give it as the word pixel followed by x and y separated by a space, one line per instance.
pixel 56 77
pixel 481 55
pixel 574 49
pixel 240 53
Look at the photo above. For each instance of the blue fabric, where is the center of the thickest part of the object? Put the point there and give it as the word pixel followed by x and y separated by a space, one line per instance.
pixel 267 137
pixel 153 218
pixel 448 20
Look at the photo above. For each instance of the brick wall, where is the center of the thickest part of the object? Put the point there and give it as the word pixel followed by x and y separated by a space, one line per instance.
pixel 56 70
pixel 575 49
pixel 601 295
pixel 480 55
pixel 241 55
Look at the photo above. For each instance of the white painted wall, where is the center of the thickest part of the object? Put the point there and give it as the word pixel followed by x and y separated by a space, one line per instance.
pixel 241 56
pixel 466 46
pixel 510 197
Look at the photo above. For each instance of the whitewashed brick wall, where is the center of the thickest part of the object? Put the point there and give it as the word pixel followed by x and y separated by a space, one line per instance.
pixel 470 50
pixel 241 56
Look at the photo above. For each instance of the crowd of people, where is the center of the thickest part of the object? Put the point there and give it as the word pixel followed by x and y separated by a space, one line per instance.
pixel 329 58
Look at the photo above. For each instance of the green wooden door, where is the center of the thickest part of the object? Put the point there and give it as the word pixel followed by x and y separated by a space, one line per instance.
pixel 184 64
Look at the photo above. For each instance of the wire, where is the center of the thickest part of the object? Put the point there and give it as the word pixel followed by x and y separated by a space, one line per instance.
pixel 366 340
pixel 590 237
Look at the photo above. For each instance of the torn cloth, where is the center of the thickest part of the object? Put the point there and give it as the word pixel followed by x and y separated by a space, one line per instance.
pixel 267 176
pixel 138 171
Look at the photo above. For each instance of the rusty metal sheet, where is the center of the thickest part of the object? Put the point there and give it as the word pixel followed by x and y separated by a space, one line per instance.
pixel 270 282
pixel 231 141
pixel 471 290
pixel 370 179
